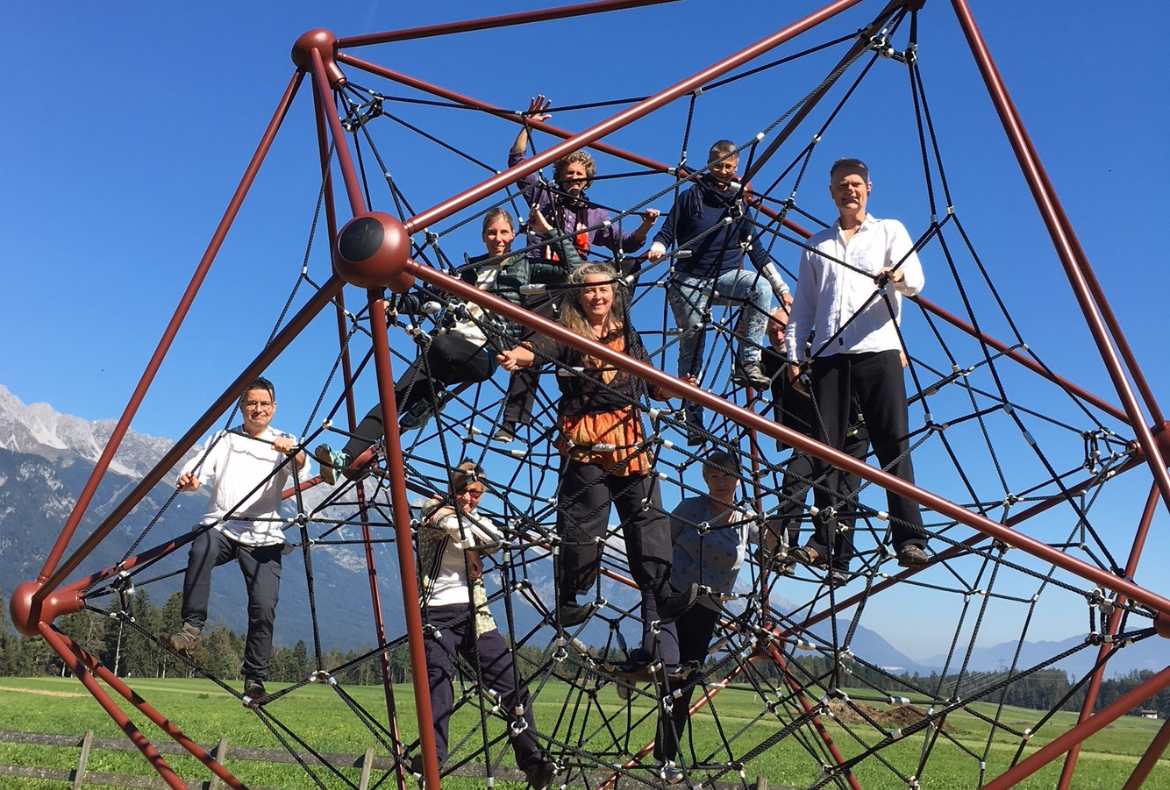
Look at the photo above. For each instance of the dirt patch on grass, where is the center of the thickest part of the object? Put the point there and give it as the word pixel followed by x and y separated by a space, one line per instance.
pixel 894 718
pixel 44 693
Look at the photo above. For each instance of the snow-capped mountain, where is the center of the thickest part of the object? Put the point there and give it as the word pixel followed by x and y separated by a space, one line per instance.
pixel 38 430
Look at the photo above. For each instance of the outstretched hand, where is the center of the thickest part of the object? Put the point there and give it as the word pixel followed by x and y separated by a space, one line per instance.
pixel 537 107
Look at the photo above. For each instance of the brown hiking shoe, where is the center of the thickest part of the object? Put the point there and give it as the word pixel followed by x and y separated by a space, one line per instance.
pixel 184 642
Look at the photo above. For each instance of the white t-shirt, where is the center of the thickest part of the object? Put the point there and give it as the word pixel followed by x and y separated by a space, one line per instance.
pixel 238 464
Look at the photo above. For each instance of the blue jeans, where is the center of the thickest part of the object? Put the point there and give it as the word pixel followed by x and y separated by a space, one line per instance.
pixel 689 298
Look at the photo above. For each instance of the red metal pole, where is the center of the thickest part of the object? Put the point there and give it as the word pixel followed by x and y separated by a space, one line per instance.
pixel 622 119
pixel 1070 761
pixel 163 723
pixel 400 509
pixel 353 185
pixel 1064 242
pixel 175 454
pixel 1081 732
pixel 750 420
pixel 487 23
pixel 1026 361
pixel 826 737
pixel 1145 766
pixel 351 415
pixel 168 336
pixel 78 667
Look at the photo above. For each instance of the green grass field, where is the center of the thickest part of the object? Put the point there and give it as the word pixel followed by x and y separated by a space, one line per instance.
pixel 203 711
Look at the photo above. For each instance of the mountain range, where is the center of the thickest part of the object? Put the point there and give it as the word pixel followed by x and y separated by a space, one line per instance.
pixel 46 458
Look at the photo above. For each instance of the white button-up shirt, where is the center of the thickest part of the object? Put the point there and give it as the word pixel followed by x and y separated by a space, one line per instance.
pixel 837 280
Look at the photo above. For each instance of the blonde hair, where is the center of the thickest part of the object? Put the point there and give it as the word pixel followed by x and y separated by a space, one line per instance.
pixel 572 314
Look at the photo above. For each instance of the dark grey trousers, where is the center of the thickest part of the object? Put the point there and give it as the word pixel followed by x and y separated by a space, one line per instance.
pixel 261 567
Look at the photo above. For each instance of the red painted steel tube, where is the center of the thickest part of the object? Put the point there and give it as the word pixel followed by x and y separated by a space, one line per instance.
pixel 168 336
pixel 1052 214
pixel 1145 766
pixel 954 551
pixel 815 97
pixel 622 119
pixel 400 509
pixel 488 23
pixel 1024 360
pixel 353 185
pixel 201 426
pixel 795 439
pixel 1111 319
pixel 1081 732
pixel 351 416
pixel 77 666
pixel 1135 554
pixel 163 723
pixel 778 658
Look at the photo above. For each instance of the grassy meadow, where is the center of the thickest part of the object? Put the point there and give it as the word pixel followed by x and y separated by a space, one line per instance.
pixel 323 719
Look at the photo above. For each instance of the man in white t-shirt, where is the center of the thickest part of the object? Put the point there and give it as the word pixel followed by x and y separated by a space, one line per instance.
pixel 251 467
pixel 842 298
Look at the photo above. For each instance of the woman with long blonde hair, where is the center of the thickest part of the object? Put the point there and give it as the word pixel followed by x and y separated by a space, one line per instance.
pixel 605 458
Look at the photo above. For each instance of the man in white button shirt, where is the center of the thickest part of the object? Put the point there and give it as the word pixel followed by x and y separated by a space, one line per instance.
pixel 842 296
pixel 251 468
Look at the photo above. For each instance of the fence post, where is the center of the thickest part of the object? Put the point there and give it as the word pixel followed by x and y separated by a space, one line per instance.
pixel 86 744
pixel 761 783
pixel 367 765
pixel 220 755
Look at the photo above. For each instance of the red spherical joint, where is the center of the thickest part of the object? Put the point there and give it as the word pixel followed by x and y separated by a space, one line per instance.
pixel 326 44
pixel 372 251
pixel 26 613
pixel 1161 435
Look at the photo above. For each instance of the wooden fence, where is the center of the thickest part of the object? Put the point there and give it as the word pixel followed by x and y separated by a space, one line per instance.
pixel 367 762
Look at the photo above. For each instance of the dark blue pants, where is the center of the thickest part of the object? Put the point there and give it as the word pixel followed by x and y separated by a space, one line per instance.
pixel 455 633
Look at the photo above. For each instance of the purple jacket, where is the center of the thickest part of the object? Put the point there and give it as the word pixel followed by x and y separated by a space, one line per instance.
pixel 573 219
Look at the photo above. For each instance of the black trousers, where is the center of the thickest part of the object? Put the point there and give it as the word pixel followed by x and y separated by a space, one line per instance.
pixel 874 381
pixel 455 633
pixel 261 567
pixel 683 641
pixel 449 359
pixel 584 497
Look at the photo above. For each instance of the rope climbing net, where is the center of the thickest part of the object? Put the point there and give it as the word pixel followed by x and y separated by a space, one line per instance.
pixel 797 683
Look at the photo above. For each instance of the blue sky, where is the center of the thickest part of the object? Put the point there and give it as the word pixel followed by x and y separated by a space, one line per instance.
pixel 130 126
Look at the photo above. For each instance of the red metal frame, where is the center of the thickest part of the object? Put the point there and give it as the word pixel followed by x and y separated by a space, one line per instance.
pixel 317 54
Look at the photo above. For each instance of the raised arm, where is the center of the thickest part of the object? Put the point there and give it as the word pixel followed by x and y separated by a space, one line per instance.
pixel 536 111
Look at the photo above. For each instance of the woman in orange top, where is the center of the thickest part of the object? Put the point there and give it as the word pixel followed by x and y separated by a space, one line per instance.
pixel 603 444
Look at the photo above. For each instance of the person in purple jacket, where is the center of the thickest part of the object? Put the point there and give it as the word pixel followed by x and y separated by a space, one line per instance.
pixel 712 223
pixel 565 203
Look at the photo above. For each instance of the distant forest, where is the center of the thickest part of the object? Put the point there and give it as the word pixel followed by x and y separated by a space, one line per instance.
pixel 127 646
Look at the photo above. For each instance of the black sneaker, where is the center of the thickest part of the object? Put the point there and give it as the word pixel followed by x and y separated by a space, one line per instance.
pixel 540 774
pixel 184 642
pixel 254 691
pixel 911 556
pixel 572 614
pixel 839 577
pixel 671 607
pixel 505 435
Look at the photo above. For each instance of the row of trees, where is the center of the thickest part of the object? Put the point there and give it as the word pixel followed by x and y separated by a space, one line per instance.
pixel 128 645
